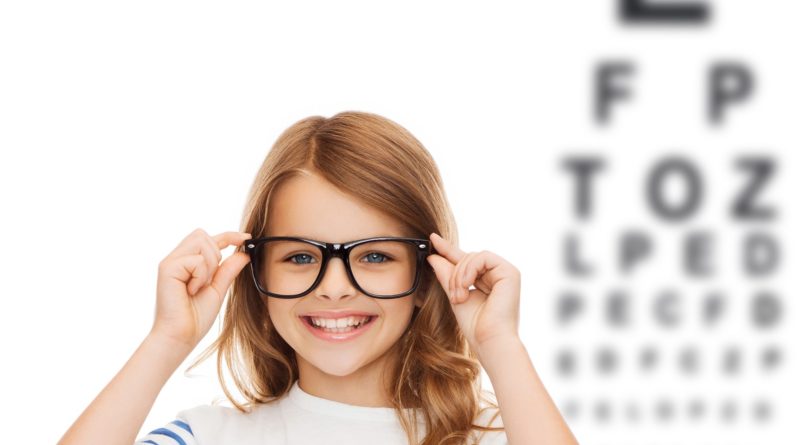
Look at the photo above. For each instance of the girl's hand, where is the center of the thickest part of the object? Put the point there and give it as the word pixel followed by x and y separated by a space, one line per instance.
pixel 192 284
pixel 491 310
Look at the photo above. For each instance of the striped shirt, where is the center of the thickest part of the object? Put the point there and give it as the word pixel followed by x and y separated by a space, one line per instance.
pixel 175 432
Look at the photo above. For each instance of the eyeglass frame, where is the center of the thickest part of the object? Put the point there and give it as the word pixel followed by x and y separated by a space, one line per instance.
pixel 341 250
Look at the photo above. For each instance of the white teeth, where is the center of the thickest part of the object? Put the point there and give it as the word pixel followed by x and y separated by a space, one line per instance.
pixel 339 323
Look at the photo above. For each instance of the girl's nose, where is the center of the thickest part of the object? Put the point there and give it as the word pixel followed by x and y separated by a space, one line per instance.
pixel 335 283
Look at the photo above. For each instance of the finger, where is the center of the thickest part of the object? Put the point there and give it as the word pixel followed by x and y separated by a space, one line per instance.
pixel 456 279
pixel 194 267
pixel 446 249
pixel 226 239
pixel 214 248
pixel 212 256
pixel 187 244
pixel 216 243
pixel 481 285
pixel 223 240
pixel 485 265
pixel 212 297
pixel 443 270
pixel 185 247
pixel 456 272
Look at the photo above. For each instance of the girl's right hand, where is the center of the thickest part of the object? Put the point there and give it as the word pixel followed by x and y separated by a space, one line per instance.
pixel 192 285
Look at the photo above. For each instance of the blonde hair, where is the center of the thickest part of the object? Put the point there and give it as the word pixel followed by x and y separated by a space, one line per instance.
pixel 381 163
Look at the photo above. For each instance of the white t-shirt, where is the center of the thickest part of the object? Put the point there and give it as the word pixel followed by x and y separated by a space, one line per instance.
pixel 297 419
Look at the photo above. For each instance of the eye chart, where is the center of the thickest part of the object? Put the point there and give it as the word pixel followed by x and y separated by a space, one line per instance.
pixel 674 157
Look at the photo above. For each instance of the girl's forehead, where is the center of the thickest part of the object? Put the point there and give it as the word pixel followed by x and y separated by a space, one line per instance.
pixel 311 207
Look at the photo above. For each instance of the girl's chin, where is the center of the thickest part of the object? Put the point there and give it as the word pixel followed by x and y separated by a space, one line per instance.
pixel 340 369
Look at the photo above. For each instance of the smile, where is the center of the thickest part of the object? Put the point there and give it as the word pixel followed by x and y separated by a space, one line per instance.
pixel 338 330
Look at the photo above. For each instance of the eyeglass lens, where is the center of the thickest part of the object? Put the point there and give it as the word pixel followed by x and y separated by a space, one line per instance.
pixel 385 268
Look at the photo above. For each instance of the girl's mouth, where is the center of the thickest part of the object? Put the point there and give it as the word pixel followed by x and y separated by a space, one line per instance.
pixel 338 334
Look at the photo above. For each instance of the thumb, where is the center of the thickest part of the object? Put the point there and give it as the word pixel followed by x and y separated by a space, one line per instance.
pixel 443 268
pixel 212 295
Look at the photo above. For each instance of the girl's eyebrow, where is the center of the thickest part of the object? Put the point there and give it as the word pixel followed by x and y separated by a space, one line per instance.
pixel 347 241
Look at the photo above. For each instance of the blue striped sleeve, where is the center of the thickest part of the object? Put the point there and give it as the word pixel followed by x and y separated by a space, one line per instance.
pixel 177 432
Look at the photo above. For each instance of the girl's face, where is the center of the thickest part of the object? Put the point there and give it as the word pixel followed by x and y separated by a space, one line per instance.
pixel 311 207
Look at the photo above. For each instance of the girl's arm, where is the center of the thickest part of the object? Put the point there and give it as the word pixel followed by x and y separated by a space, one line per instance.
pixel 116 415
pixel 489 318
pixel 528 413
pixel 189 293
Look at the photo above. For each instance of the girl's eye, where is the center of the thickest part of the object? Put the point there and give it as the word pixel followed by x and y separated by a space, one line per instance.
pixel 304 258
pixel 376 256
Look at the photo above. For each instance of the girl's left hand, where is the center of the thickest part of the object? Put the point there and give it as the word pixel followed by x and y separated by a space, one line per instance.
pixel 491 310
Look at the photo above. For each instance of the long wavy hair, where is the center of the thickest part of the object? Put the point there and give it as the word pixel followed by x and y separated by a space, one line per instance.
pixel 381 163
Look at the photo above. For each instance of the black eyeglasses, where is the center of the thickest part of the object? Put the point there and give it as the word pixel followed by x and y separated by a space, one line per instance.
pixel 291 267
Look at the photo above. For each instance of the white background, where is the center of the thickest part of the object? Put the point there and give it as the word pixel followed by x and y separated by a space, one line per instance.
pixel 125 126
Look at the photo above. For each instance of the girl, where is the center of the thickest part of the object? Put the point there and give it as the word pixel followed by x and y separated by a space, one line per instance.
pixel 356 322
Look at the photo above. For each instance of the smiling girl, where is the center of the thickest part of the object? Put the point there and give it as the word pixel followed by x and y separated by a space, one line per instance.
pixel 355 322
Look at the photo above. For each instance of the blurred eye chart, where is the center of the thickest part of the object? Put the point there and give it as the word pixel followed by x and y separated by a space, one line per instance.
pixel 676 143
